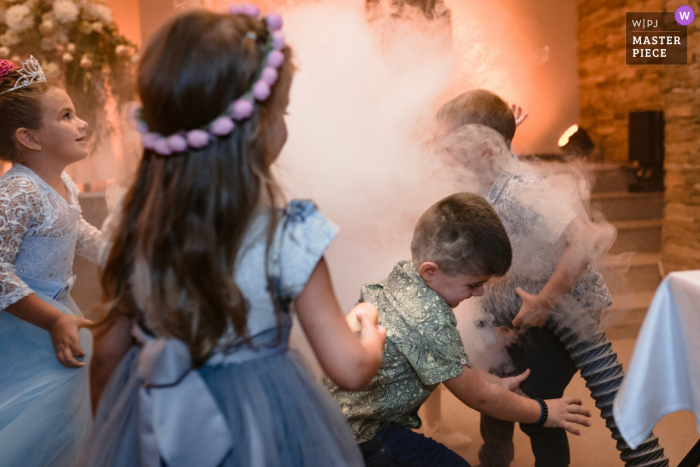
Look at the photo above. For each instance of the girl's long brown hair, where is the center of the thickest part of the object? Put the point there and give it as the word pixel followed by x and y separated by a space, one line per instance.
pixel 185 216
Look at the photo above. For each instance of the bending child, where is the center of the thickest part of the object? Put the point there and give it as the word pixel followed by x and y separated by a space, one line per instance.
pixel 204 267
pixel 458 244
pixel 44 395
pixel 553 290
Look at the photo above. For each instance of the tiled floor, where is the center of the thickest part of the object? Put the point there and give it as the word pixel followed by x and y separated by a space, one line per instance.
pixel 595 447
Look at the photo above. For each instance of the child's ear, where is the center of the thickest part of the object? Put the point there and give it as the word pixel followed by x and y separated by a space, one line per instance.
pixel 486 151
pixel 26 138
pixel 428 270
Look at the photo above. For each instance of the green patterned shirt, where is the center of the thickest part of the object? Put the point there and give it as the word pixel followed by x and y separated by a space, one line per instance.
pixel 423 349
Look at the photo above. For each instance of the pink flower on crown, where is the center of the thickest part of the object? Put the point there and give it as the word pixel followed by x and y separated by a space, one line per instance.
pixel 241 109
pixel 275 59
pixel 261 90
pixel 149 140
pixel 197 138
pixel 277 40
pixel 7 67
pixel 177 143
pixel 222 126
pixel 245 9
pixel 161 147
pixel 274 22
pixel 269 76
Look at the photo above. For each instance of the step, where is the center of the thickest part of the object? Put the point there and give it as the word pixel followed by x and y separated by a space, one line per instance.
pixel 631 272
pixel 627 328
pixel 603 176
pixel 624 303
pixel 609 177
pixel 626 315
pixel 642 236
pixel 623 206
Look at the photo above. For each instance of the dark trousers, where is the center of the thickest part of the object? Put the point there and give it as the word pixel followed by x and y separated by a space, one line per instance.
pixel 400 447
pixel 551 371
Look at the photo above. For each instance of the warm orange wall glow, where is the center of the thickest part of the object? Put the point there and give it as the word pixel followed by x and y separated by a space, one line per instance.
pixel 153 14
pixel 126 15
pixel 525 51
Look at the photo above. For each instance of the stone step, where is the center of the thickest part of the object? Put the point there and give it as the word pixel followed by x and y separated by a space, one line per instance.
pixel 626 315
pixel 623 206
pixel 642 236
pixel 631 272
pixel 609 177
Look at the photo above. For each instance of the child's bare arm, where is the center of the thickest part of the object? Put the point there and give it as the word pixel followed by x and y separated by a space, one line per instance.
pixel 112 341
pixel 511 383
pixel 498 402
pixel 63 329
pixel 580 249
pixel 350 362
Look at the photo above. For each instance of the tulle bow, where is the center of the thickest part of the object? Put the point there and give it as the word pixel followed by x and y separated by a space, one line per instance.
pixel 180 421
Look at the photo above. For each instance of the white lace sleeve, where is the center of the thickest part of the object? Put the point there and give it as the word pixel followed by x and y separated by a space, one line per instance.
pixel 89 236
pixel 89 240
pixel 20 204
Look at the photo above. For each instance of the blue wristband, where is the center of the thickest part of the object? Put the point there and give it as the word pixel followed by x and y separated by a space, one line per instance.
pixel 545 412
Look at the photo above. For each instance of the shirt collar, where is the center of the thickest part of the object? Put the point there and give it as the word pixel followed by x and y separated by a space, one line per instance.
pixel 420 295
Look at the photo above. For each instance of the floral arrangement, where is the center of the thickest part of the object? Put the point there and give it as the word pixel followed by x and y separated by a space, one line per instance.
pixel 76 41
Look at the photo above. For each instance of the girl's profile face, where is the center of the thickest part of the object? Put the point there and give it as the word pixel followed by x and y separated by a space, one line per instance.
pixel 63 135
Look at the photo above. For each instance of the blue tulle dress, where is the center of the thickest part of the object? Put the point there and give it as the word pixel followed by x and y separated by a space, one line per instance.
pixel 253 407
pixel 44 407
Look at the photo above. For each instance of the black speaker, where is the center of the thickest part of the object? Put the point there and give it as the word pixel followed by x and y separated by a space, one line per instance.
pixel 646 149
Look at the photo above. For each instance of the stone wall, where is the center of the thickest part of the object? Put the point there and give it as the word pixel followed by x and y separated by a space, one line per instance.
pixel 680 89
pixel 610 90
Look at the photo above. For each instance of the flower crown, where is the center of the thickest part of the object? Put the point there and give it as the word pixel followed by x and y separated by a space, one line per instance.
pixel 30 73
pixel 239 110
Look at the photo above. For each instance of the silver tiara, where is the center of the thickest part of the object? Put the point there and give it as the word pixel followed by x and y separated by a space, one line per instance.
pixel 30 72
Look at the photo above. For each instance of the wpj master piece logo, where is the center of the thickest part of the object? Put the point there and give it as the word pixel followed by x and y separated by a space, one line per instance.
pixel 655 38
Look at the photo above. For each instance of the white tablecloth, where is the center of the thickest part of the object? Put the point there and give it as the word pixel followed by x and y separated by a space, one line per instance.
pixel 664 373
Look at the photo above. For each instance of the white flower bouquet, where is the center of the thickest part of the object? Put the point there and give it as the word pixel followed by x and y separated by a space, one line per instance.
pixel 76 41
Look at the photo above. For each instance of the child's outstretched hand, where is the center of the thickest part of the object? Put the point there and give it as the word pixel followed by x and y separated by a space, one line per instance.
pixel 372 335
pixel 66 340
pixel 533 312
pixel 518 114
pixel 513 383
pixel 564 412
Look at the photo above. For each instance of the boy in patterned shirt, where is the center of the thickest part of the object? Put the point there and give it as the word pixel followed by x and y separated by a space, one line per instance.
pixel 458 244
pixel 553 272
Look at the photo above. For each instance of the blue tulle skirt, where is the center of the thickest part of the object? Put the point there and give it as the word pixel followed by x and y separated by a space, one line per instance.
pixel 278 415
pixel 45 411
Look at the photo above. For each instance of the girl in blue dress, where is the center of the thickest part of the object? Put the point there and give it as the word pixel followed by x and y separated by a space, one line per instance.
pixel 44 393
pixel 192 365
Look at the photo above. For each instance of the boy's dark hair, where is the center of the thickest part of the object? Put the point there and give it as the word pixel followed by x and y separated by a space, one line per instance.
pixel 462 234
pixel 478 106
